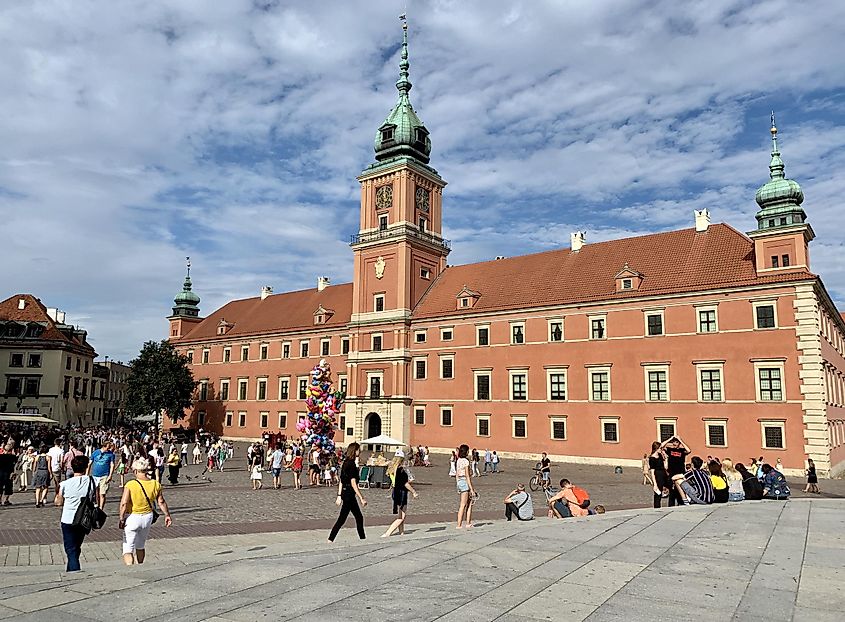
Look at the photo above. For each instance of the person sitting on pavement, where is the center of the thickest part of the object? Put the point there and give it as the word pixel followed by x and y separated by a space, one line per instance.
pixel 569 501
pixel 697 484
pixel 774 484
pixel 751 486
pixel 519 503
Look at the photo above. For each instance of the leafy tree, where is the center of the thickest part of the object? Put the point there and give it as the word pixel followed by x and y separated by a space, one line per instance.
pixel 160 382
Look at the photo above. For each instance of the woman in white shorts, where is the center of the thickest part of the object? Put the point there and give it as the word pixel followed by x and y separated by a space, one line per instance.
pixel 136 512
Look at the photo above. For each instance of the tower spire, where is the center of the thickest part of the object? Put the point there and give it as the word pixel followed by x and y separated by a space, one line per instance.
pixel 776 168
pixel 188 262
pixel 186 301
pixel 403 84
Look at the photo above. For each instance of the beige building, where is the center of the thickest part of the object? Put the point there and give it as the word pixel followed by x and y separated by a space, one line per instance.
pixel 114 396
pixel 46 365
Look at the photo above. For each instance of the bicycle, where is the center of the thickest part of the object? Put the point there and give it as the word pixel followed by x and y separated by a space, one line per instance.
pixel 536 482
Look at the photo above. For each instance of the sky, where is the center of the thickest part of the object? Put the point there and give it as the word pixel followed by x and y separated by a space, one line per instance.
pixel 134 134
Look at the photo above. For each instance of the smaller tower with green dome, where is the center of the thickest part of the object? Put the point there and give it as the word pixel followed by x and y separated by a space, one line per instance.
pixel 783 234
pixel 186 309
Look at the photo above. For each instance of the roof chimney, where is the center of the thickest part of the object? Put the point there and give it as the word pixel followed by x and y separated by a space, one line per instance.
pixel 21 303
pixel 322 283
pixel 577 240
pixel 702 219
pixel 266 291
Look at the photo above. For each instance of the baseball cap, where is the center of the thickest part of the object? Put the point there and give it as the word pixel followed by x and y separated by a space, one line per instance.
pixel 399 453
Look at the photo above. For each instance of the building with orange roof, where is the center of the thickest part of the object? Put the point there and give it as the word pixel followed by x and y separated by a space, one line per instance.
pixel 588 353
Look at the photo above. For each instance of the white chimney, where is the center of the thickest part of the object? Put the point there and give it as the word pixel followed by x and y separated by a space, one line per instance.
pixel 60 317
pixel 322 283
pixel 21 303
pixel 266 291
pixel 702 219
pixel 577 240
pixel 51 313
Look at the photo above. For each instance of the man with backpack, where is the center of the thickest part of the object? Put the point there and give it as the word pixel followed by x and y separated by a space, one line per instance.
pixel 570 501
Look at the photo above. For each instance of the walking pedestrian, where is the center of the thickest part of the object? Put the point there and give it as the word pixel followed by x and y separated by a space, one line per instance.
pixel 463 480
pixel 174 463
pixel 197 453
pixel 495 462
pixel 137 512
pixel 41 479
pixel 276 459
pixel 348 493
pixel 452 460
pixel 812 478
pixel 296 468
pixel 8 460
pixel 401 488
pixel 476 459
pixel 27 464
pixel 71 493
pixel 256 477
pixel 488 461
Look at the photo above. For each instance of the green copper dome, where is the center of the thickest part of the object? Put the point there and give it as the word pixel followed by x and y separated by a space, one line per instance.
pixel 186 301
pixel 780 198
pixel 403 133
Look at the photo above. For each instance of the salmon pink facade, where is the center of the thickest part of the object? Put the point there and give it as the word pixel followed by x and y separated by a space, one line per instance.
pixel 588 353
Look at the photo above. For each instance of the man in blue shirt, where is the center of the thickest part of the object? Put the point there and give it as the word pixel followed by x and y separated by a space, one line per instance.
pixel 101 469
pixel 774 484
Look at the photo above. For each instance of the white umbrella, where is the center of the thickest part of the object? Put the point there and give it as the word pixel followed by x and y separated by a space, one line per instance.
pixel 381 439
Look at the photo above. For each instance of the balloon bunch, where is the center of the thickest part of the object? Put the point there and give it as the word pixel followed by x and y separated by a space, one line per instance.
pixel 323 405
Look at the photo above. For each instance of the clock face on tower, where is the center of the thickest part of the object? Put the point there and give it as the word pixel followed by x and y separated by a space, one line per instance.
pixel 422 199
pixel 384 197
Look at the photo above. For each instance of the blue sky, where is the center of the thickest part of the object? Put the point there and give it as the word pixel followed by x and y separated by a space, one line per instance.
pixel 134 134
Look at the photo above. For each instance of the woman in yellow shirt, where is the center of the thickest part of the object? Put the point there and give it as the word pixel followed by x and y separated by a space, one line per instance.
pixel 136 512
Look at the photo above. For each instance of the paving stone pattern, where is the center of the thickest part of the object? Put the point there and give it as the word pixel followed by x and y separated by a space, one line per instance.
pixel 775 561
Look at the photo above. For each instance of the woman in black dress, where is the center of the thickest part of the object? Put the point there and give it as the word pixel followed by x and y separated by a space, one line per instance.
pixel 812 478
pixel 348 491
pixel 657 469
pixel 401 488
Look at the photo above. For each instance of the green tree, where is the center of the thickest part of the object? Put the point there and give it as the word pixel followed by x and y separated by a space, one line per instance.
pixel 160 382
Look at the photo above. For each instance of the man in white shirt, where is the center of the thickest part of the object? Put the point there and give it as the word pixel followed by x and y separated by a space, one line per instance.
pixel 275 460
pixel 56 453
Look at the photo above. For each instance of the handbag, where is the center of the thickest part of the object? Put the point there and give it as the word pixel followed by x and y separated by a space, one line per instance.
pixel 86 512
pixel 152 507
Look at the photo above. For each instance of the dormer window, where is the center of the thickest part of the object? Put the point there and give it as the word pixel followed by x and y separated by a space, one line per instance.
pixel 467 298
pixel 464 302
pixel 627 284
pixel 224 327
pixel 421 134
pixel 322 315
pixel 628 279
pixel 387 134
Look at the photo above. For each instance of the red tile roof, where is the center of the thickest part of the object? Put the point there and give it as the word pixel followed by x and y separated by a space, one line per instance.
pixel 289 311
pixel 35 311
pixel 671 262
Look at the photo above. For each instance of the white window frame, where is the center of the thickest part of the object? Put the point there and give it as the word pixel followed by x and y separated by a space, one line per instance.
pixel 656 368
pixel 376 298
pixel 770 364
pixel 553 371
pixel 244 347
pixel 447 329
pixel 708 423
pixel 514 419
pixel 227 351
pixel 558 419
pixel 451 410
pixel 283 424
pixel 627 283
pixel 650 312
pixel 203 390
pixel 245 383
pixel 521 371
pixel 482 372
pixel 307 344
pixel 300 416
pixel 597 317
pixel 425 273
pixel 282 379
pixel 700 367
pixel 241 418
pixel 189 354
pixel 514 325
pixel 345 343
pixel 415 361
pixel 478 420
pixel 263 351
pixel 600 369
pixel 772 302
pixel 419 408
pixel 324 341
pixel 258 383
pixel 342 383
pixel 229 419
pixel 418 334
pixel 552 321
pixel 206 356
pixel 478 328
pixel 299 379
pixel 372 342
pixel 772 423
pixel 290 347
pixel 602 421
pixel 380 376
pixel 446 357
pixel 699 309
pixel 226 382
pixel 659 421
pixel 264 419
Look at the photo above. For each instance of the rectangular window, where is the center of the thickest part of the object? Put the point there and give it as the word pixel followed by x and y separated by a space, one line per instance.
pixel 203 391
pixel 283 421
pixel 341 383
pixel 557 385
pixel 342 422
pixel 558 428
pixel 242 386
pixel 325 345
pixel 483 335
pixel 600 386
pixel 66 389
pixel 14 386
pixel 205 354
pixel 285 350
pixel 520 426
pixel 201 418
pixel 419 336
pixel 227 355
pixel 446 416
pixel 229 417
pixel 665 430
pixel 785 260
pixel 262 389
pixel 34 360
pixel 303 349
pixel 597 328
pixel 224 390
pixel 303 388
pixel 447 365
pixel 482 386
pixel 264 417
pixel 707 321
pixel 717 434
pixel 711 385
pixel 190 359
pixel 344 345
pixel 284 389
pixel 771 388
pixel 423 224
pixel 610 431
pixel 519 386
pixel 765 315
pixel 16 360
pixel 446 334
pixel 658 386
pixel 482 426
pixel 425 273
pixel 378 302
pixel 78 364
pixel 556 330
pixel 654 324
pixel 517 333
pixel 31 387
pixel 86 367
pixel 775 261
pixel 773 436
pixel 263 352
pixel 242 419
pixel 382 223
pixel 375 386
pixel 244 353
pixel 419 369
pixel 376 343
pixel 419 416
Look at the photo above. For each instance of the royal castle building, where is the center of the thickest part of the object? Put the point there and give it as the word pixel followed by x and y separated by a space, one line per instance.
pixel 588 353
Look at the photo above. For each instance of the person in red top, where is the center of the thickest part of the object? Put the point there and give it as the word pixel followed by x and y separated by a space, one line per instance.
pixel 296 467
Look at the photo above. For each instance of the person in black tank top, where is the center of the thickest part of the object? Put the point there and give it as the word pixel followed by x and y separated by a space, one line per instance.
pixel 348 493
pixel 401 488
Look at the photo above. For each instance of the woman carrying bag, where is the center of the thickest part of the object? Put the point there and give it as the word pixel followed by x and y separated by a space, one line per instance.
pixel 138 513
pixel 71 493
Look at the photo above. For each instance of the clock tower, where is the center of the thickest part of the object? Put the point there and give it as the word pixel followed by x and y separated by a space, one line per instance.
pixel 398 253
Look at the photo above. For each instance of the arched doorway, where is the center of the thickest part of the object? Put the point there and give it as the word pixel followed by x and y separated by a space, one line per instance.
pixel 373 425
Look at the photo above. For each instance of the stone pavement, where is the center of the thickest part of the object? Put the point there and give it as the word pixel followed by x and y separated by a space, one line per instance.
pixel 748 561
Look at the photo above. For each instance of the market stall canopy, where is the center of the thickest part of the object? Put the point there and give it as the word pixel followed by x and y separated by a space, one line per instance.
pixel 381 439
pixel 19 418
